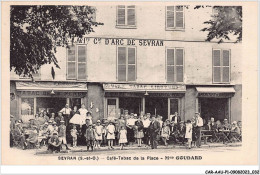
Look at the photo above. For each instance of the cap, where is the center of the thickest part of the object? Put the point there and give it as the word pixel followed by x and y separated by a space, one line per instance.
pixel 54 123
pixel 135 115
pixel 62 121
pixel 45 123
pixel 98 121
pixel 50 121
pixel 225 119
pixel 148 113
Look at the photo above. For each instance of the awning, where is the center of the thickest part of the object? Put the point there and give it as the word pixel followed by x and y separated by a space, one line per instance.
pixel 143 87
pixel 218 92
pixel 46 86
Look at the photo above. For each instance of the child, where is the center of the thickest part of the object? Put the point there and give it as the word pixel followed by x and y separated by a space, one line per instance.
pixel 165 133
pixel 104 135
pixel 122 137
pixel 110 135
pixel 188 134
pixel 62 133
pixel 74 134
pixel 90 137
pixel 98 134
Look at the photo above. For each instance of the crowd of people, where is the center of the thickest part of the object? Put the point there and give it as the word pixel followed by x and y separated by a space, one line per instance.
pixel 77 128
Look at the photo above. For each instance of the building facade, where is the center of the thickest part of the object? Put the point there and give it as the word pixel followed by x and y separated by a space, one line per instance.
pixel 145 58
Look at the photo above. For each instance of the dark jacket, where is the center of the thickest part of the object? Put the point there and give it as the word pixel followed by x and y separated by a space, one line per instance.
pixel 90 134
pixel 154 127
pixel 139 125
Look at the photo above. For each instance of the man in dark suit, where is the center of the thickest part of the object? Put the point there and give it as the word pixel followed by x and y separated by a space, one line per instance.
pixel 176 118
pixel 154 129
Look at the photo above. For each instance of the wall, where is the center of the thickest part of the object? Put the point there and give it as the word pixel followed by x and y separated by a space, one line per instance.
pixel 236 104
pixel 96 96
pixel 190 103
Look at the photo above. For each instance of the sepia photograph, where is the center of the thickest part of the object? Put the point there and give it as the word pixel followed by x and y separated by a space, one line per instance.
pixel 127 83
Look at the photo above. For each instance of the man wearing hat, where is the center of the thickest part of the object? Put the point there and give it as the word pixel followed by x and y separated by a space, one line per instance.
pixel 198 124
pixel 33 136
pixel 62 134
pixel 54 143
pixel 154 129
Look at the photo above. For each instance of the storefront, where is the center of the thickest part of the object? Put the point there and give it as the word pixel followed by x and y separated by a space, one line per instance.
pixel 36 97
pixel 162 100
pixel 215 102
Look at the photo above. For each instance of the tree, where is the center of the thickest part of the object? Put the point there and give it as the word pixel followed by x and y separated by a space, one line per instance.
pixel 36 32
pixel 226 21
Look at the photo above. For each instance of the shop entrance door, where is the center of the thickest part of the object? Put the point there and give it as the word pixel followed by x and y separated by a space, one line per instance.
pixel 214 107
pixel 157 106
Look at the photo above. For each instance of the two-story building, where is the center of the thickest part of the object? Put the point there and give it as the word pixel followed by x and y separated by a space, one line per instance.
pixel 145 58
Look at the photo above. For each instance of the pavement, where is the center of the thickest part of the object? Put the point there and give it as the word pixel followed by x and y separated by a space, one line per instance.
pixel 83 149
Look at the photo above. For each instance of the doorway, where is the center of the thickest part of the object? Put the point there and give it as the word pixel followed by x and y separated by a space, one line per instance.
pixel 157 106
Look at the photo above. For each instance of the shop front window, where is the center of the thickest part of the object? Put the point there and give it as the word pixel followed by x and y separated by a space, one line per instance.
pixel 27 106
pixel 51 105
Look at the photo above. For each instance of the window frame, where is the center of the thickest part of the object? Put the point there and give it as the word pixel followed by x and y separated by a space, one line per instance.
pixel 221 67
pixel 126 26
pixel 175 65
pixel 76 62
pixel 117 70
pixel 174 28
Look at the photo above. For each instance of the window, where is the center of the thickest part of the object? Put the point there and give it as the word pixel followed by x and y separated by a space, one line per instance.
pixel 27 106
pixel 126 16
pixel 174 67
pixel 77 62
pixel 126 63
pixel 221 66
pixel 174 17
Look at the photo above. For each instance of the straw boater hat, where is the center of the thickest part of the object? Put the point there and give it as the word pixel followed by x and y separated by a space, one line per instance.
pixel 46 123
pixel 98 121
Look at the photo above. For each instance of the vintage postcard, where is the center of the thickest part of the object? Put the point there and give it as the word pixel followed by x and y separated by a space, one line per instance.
pixel 130 83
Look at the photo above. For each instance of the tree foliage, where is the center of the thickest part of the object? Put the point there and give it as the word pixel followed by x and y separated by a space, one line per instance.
pixel 36 32
pixel 226 21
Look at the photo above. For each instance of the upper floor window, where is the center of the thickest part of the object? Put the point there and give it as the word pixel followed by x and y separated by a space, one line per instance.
pixel 175 64
pixel 221 66
pixel 126 16
pixel 126 63
pixel 174 17
pixel 77 62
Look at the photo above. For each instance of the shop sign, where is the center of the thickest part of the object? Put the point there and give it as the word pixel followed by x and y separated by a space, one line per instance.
pixel 143 87
pixel 133 94
pixel 216 95
pixel 48 94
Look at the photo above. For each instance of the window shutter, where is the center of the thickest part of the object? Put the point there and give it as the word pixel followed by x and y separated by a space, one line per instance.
pixel 179 17
pixel 121 15
pixel 179 65
pixel 216 66
pixel 131 64
pixel 82 66
pixel 71 71
pixel 170 65
pixel 131 15
pixel 226 66
pixel 169 16
pixel 121 63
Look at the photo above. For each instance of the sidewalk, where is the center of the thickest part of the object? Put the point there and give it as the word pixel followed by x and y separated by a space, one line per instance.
pixel 144 147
